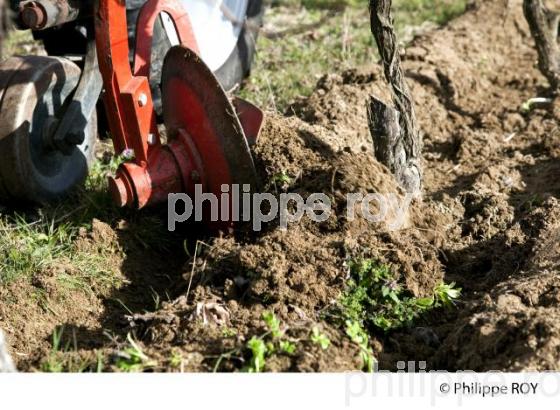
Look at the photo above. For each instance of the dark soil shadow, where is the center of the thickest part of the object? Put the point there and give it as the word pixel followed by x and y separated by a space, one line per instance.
pixel 152 268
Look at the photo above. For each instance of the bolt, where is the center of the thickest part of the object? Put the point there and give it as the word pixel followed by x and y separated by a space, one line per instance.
pixel 33 15
pixel 142 99
pixel 195 176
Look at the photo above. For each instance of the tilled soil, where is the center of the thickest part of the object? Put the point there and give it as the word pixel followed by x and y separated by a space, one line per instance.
pixel 489 221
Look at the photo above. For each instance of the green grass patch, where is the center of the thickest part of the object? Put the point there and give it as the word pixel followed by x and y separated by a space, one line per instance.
pixel 46 239
pixel 305 39
pixel 28 248
pixel 414 12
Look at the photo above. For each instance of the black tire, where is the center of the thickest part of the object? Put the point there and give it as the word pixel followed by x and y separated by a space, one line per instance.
pixel 34 91
pixel 238 65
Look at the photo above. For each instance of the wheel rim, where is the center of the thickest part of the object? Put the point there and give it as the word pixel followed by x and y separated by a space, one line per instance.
pixel 36 94
pixel 47 160
pixel 215 33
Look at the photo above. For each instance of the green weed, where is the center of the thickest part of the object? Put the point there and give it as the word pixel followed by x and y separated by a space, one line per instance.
pixel 273 323
pixel 132 358
pixel 258 350
pixel 281 180
pixel 287 347
pixel 358 335
pixel 176 359
pixel 446 294
pixel 320 338
pixel 54 363
pixel 261 347
pixel 374 297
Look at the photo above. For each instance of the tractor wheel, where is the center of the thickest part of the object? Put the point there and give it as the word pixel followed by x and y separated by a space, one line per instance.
pixel 238 64
pixel 227 48
pixel 34 92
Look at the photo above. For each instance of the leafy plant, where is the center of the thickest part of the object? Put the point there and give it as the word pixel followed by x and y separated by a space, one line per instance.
pixel 320 338
pixel 446 294
pixel 374 296
pixel 268 344
pixel 282 179
pixel 273 323
pixel 359 336
pixel 287 347
pixel 258 351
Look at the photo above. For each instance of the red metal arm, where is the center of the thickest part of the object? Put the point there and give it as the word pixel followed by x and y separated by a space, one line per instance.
pixel 155 170
pixel 145 31
pixel 127 97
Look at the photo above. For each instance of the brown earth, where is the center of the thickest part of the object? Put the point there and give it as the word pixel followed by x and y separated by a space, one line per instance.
pixel 489 220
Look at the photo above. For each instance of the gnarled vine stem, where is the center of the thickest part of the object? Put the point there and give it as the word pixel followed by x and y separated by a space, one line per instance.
pixel 543 24
pixel 395 134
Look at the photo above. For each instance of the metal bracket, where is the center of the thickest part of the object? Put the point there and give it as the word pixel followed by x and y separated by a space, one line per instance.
pixel 70 129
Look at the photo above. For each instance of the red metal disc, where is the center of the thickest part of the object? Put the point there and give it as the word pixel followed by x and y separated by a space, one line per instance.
pixel 194 101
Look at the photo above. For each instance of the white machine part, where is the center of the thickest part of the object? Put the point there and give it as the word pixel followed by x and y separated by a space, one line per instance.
pixel 216 24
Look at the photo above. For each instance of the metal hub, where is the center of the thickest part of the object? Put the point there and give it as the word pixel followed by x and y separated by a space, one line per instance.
pixel 34 95
pixel 194 101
